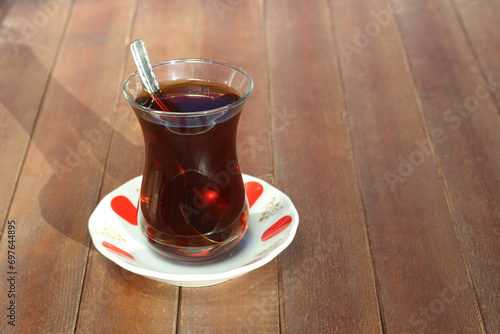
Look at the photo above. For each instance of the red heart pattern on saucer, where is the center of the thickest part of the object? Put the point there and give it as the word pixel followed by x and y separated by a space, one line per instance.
pixel 124 208
pixel 253 190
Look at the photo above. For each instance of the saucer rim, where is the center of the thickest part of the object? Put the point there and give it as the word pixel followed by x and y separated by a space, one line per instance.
pixel 213 278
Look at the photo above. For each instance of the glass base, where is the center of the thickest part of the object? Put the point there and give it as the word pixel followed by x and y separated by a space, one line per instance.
pixel 194 248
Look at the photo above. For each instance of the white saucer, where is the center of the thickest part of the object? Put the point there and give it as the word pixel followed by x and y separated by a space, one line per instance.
pixel 272 225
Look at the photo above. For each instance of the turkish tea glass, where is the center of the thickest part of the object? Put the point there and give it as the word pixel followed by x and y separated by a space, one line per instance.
pixel 193 205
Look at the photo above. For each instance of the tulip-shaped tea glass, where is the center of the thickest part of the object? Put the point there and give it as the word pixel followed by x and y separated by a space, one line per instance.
pixel 193 205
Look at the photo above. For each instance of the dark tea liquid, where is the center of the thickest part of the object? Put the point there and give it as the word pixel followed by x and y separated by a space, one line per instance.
pixel 193 205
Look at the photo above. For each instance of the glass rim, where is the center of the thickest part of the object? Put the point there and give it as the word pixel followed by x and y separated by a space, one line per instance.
pixel 194 113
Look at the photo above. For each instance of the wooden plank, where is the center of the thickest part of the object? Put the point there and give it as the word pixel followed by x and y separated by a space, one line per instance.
pixel 61 177
pixel 478 20
pixel 115 300
pixel 247 304
pixel 108 287
pixel 326 275
pixel 29 40
pixel 422 278
pixel 456 99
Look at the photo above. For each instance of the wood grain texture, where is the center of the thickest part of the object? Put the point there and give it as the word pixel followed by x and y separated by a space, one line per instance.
pixel 379 118
pixel 247 304
pixel 28 54
pixel 459 97
pixel 478 20
pixel 422 278
pixel 327 280
pixel 59 183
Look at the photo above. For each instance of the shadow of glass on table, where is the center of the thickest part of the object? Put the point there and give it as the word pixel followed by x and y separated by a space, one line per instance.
pixel 71 145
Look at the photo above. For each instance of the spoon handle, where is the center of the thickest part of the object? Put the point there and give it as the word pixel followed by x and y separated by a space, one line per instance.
pixel 148 78
pixel 141 59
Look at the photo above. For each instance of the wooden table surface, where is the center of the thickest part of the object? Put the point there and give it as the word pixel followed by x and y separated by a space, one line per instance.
pixel 380 120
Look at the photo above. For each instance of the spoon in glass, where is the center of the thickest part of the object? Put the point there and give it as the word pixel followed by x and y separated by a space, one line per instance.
pixel 148 78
